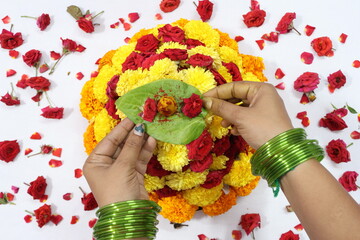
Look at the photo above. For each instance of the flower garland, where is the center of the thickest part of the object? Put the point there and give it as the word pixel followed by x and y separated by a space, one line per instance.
pixel 180 178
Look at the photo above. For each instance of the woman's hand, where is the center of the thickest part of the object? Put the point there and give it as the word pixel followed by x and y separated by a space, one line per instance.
pixel 261 117
pixel 115 169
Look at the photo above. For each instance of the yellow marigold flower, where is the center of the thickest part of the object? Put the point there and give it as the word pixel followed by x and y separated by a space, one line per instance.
pixel 120 114
pixel 208 52
pixel 130 80
pixel 106 59
pixel 255 65
pixel 240 173
pixel 213 123
pixel 172 156
pixel 89 105
pixel 222 205
pixel 121 54
pixel 247 189
pixel 249 76
pixel 103 124
pixel 100 83
pixel 185 180
pixel 162 69
pixel 200 196
pixel 140 34
pixel 89 139
pixel 230 55
pixel 225 73
pixel 203 32
pixel 219 162
pixel 176 209
pixel 152 183
pixel 180 23
pixel 200 78
pixel 225 40
pixel 170 45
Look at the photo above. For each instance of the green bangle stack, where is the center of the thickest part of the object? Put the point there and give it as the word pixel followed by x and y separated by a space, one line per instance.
pixel 127 220
pixel 283 153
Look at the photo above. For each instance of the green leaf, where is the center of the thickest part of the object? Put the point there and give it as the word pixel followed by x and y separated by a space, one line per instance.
pixel 333 106
pixel 176 129
pixel 75 11
pixel 352 110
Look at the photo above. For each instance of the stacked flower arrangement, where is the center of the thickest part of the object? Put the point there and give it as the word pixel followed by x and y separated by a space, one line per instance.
pixel 193 168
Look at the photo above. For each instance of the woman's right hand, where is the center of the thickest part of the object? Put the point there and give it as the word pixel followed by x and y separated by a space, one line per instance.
pixel 261 117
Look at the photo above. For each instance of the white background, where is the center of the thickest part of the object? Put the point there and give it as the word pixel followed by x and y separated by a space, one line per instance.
pixel 330 17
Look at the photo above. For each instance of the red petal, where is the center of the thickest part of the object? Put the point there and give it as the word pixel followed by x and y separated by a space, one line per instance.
pixel 98 61
pixel 92 222
pixel 44 198
pixel 28 218
pixel 10 72
pixel 359 117
pixel 301 115
pixel 305 122
pixel 94 74
pixel 158 16
pixel 15 189
pixel 331 89
pixel 202 237
pixel 355 135
pixel 356 64
pixel 279 74
pixel 307 57
pixel 281 86
pixel 54 55
pixel 13 53
pixel 115 25
pixel 57 152
pixel 261 44
pixel 236 234
pixel 79 76
pixel 10 197
pixel 127 26
pixel 80 48
pixel 343 38
pixel 126 40
pixel 122 20
pixel 43 68
pixel 56 219
pixel 239 38
pixel 36 136
pixel 271 37
pixel 74 219
pixel 67 196
pixel 78 173
pixel 299 227
pixel 28 150
pixel 304 99
pixel 55 163
pixel 6 19
pixel 309 30
pixel 133 17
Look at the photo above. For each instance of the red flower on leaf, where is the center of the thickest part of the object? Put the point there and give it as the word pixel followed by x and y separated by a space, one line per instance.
pixel 249 222
pixel 52 112
pixel 37 188
pixel 43 215
pixel 9 40
pixel 9 150
pixel 289 236
pixel 337 151
pixel 205 9
pixel 348 180
pixel 192 106
pixel 150 110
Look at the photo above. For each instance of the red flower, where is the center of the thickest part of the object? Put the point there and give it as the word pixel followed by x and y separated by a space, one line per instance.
pixel 191 43
pixel 176 54
pixel 147 43
pixel 249 222
pixel 336 149
pixel 192 106
pixel 348 180
pixel 167 106
pixel 166 192
pixel 9 150
pixel 169 5
pixel 238 145
pixel 333 122
pixel 149 62
pixel 150 110
pixel 233 70
pixel 286 23
pixel 37 188
pixel 322 46
pixel 254 18
pixel 32 58
pixel 38 83
pixel 341 112
pixel 336 80
pixel 200 147
pixel 213 179
pixel 111 87
pixel 89 202
pixel 201 165
pixel 52 112
pixel 43 215
pixel 56 219
pixel 133 61
pixel 307 82
pixel 8 40
pixel 221 146
pixel 154 168
pixel 200 60
pixel 55 55
pixel 171 34
pixel 86 24
pixel 205 9
pixel 307 57
pixel 43 21
pixel 218 77
pixel 69 45
pixel 10 100
pixel 111 108
pixel 289 236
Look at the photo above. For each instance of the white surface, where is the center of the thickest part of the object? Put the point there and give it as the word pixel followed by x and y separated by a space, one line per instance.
pixel 331 18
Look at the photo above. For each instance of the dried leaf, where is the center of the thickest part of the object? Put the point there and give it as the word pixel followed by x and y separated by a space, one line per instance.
pixel 75 11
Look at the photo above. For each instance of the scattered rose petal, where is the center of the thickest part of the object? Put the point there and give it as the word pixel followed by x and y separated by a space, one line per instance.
pixel 355 135
pixel 78 173
pixel 261 44
pixel 281 86
pixel 279 74
pixel 289 235
pixel 115 25
pixel 249 222
pixel 43 68
pixel 79 76
pixel 67 196
pixel 133 17
pixel 356 64
pixel 94 74
pixel 236 234
pixel 271 37
pixel 14 54
pixel 28 150
pixel 202 237
pixel 307 57
pixel 74 219
pixel 239 38
pixel 15 189
pixel 10 72
pixel 57 152
pixel 299 227
pixel 289 208
pixel 126 40
pixel 127 26
pixel 92 222
pixel 22 82
pixel 309 30
pixel 28 218
pixel 305 121
pixel 98 61
pixel 158 16
pixel 55 163
pixel 343 38
pixel 6 19
pixel 35 136
pixel 10 197
pixel 44 198
pixel 358 117
pixel 80 48
pixel 52 112
pixel 56 219
pixel 55 56
pixel 301 115
pixel 37 97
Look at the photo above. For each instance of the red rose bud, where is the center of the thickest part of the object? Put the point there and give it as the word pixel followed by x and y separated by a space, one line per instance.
pixel 9 40
pixel 289 235
pixel 309 30
pixel 55 163
pixel 10 72
pixel 307 82
pixel 261 44
pixel 203 237
pixel 249 222
pixel 74 219
pixel 10 100
pixel 52 112
pixel 133 17
pixel 200 60
pixel 304 99
pixel 86 24
pixel 6 19
pixel 67 196
pixel 348 180
pixel 286 22
pixel 337 151
pixel 92 222
pixel 10 197
pixel 35 136
pixel 171 34
pixel 271 37
pixel 323 46
pixel 356 64
pixel 89 202
pixel 43 21
pixel 301 115
pixel 147 43
pixel 55 56
pixel 236 235
pixel 279 74
pixel 9 150
pixel 355 135
pixel 150 110
pixel 28 218
pixel 13 53
pixel 205 9
pixel 336 80
pixel 43 215
pixel 158 16
pixel 280 86
pixel 69 45
pixel 169 5
pixel 343 38
pixel 192 106
pixel 254 18
pixel 307 57
pixel 239 38
pixel 37 188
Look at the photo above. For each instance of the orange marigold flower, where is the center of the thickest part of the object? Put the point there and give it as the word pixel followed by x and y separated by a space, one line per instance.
pixel 89 139
pixel 225 40
pixel 106 59
pixel 181 22
pixel 167 106
pixel 176 209
pixel 246 190
pixel 153 197
pixel 140 34
pixel 255 65
pixel 89 105
pixel 222 205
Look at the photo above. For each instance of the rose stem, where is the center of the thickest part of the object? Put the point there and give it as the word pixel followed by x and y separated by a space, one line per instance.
pixel 34 154
pixel 98 14
pixel 29 17
pixel 12 89
pixel 296 30
pixel 48 99
pixel 53 67
pixel 31 213
pixel 195 4
pixel 11 27
pixel 253 234
pixel 349 145
pixel 82 191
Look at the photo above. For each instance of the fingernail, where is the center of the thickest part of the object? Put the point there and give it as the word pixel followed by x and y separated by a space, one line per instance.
pixel 139 130
pixel 207 102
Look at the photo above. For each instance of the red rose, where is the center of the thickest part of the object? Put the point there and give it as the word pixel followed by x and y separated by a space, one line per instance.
pixel 10 100
pixel 149 61
pixel 322 46
pixel 69 45
pixel 154 168
pixel 285 24
pixel 249 222
pixel 176 54
pixel 9 150
pixel 8 40
pixel 238 145
pixel 336 79
pixel 233 70
pixel 200 147
pixel 336 149
pixel 38 83
pixel 348 180
pixel 37 188
pixel 192 106
pixel 200 60
pixel 341 112
pixel 89 202
pixel 147 43
pixel 150 110
pixel 307 82
pixel 254 18
pixel 111 87
pixel 43 21
pixel 221 146
pixel 52 112
pixel 86 24
pixel 191 43
pixel 133 61
pixel 111 108
pixel 213 179
pixel 171 34
pixel 32 58
pixel 169 5
pixel 201 165
pixel 205 9
pixel 289 236
pixel 333 122
pixel 218 77
pixel 43 215
pixel 46 149
pixel 166 192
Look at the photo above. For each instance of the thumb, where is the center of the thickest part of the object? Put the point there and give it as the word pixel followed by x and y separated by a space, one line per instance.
pixel 228 111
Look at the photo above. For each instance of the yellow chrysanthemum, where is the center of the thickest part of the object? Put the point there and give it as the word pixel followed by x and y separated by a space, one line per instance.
pixel 180 23
pixel 100 83
pixel 225 40
pixel 230 55
pixel 240 173
pixel 208 52
pixel 103 124
pixel 152 183
pixel 200 196
pixel 203 32
pixel 247 189
pixel 131 79
pixel 219 162
pixel 213 123
pixel 106 59
pixel 89 139
pixel 139 34
pixel 222 205
pixel 120 114
pixel 176 209
pixel 253 64
pixel 172 156
pixel 170 45
pixel 164 68
pixel 200 78
pixel 89 105
pixel 225 73
pixel 185 180
pixel 249 76
pixel 121 54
